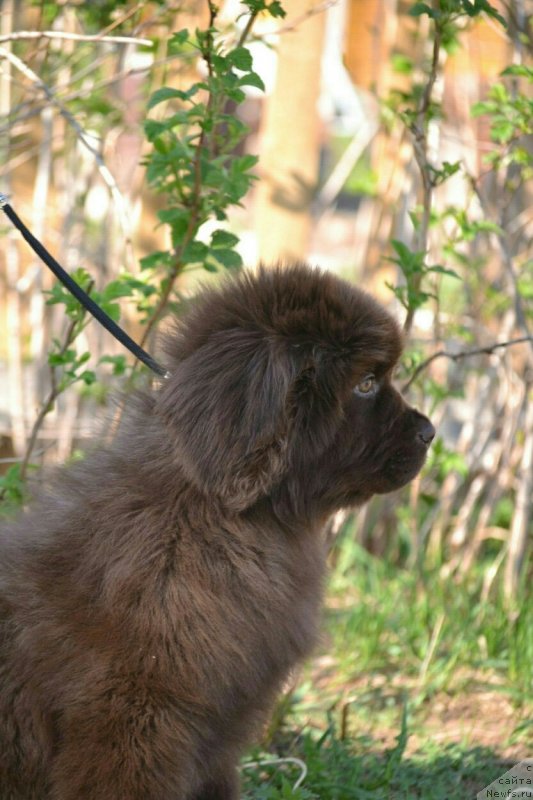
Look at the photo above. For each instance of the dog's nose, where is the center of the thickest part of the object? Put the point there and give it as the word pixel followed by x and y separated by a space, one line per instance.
pixel 425 430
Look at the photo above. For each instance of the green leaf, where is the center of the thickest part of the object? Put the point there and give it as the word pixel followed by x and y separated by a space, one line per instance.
pixel 178 39
pixel 139 286
pixel 116 288
pixel 118 362
pixel 409 260
pixel 521 70
pixel 228 258
pixel 59 359
pixel 486 226
pixel 236 94
pixel 88 377
pixel 244 163
pixel 112 310
pixel 402 64
pixel 275 9
pixel 421 8
pixel 241 58
pixel 220 63
pixel 469 8
pixel 444 271
pixel 157 259
pixel 83 358
pixel 214 176
pixel 252 79
pixel 184 116
pixel 177 218
pixel 166 93
pixel 153 128
pixel 57 294
pixel 502 130
pixel 499 93
pixel 12 488
pixel 195 253
pixel 221 238
pixel 483 5
pixel 481 107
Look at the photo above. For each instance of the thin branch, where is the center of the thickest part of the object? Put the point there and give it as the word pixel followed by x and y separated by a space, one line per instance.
pixel 196 190
pixel 503 244
pixel 432 77
pixel 103 169
pixel 280 761
pixel 122 18
pixel 35 109
pixel 55 390
pixel 294 24
pixel 247 28
pixel 418 130
pixel 78 37
pixel 518 534
pixel 488 350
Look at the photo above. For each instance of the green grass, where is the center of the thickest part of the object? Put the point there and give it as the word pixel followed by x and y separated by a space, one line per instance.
pixel 423 689
pixel 359 769
pixel 427 628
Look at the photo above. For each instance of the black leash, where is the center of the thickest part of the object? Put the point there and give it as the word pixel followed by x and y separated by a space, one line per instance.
pixel 80 295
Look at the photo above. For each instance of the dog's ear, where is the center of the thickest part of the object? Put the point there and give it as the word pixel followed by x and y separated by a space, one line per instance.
pixel 226 408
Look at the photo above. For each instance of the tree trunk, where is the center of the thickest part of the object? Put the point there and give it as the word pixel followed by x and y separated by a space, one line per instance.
pixel 291 139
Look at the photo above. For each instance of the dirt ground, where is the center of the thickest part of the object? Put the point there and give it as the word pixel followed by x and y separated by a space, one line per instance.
pixel 475 714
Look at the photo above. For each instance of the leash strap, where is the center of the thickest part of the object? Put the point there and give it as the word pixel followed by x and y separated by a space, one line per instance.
pixel 80 295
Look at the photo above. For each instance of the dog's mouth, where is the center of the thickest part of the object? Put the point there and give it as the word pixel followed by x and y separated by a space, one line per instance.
pixel 402 467
pixel 400 474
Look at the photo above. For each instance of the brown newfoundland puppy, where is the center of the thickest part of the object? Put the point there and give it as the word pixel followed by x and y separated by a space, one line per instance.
pixel 154 599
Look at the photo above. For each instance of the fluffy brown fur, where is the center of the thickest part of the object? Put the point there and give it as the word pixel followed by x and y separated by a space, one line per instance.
pixel 155 598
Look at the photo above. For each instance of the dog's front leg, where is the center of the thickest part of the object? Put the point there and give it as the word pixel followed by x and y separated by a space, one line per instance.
pixel 222 788
pixel 122 751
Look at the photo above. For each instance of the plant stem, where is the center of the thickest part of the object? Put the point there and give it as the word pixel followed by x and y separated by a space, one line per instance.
pixel 48 404
pixel 419 131
pixel 488 350
pixel 204 148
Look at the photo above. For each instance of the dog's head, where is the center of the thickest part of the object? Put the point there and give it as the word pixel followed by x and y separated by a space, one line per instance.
pixel 284 377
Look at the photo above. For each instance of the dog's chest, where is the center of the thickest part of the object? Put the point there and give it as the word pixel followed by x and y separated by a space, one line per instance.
pixel 239 610
pixel 284 587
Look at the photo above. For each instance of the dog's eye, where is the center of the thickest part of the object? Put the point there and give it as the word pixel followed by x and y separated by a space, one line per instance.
pixel 367 385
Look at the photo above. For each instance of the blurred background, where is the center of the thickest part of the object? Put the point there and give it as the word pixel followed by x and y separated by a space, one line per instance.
pixel 395 145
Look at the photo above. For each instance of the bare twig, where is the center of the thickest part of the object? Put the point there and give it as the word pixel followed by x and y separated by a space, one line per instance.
pixel 344 166
pixel 78 93
pixel 488 350
pixel 247 28
pixel 120 19
pixel 78 37
pixel 40 207
pixel 280 762
pixel 294 24
pixel 521 517
pixel 500 475
pixel 12 271
pixel 102 167
pixel 503 245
